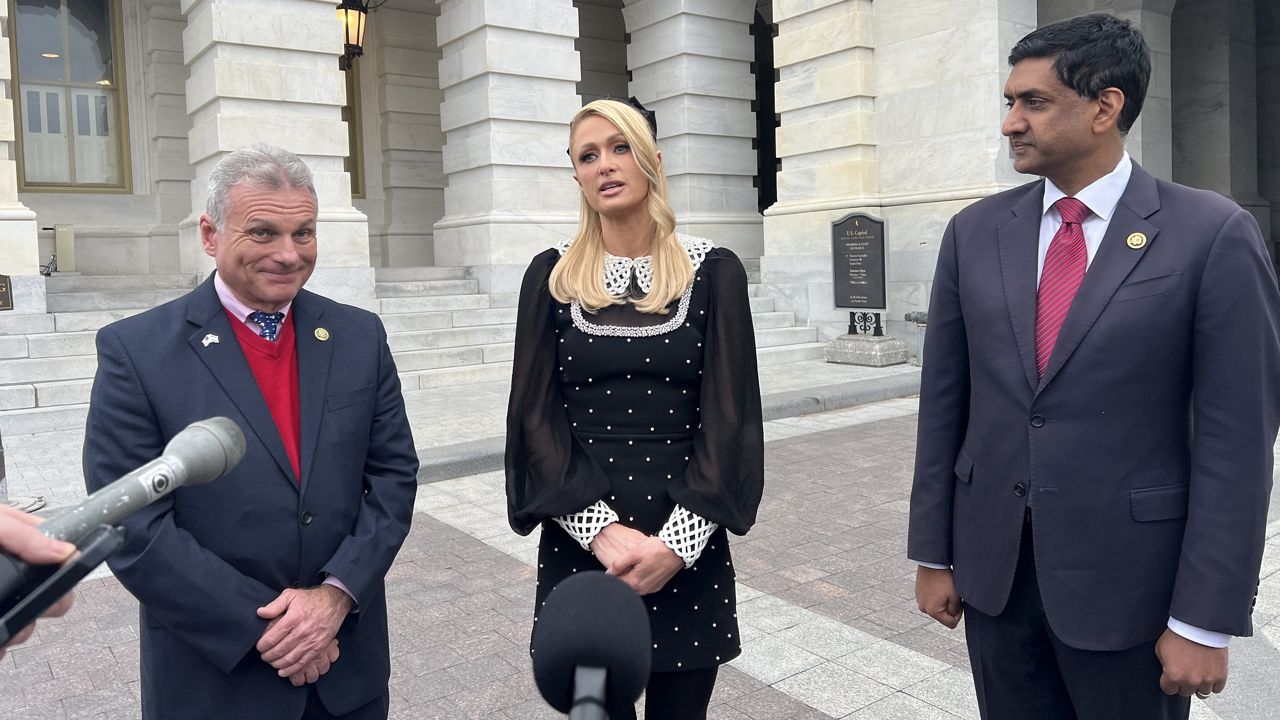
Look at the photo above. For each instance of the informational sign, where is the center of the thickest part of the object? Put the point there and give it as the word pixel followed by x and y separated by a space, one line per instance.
pixel 6 293
pixel 858 259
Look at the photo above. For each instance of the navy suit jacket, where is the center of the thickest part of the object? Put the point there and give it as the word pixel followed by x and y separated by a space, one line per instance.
pixel 202 560
pixel 1145 452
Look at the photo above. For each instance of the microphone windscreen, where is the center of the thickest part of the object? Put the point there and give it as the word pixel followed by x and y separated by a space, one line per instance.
pixel 592 619
pixel 208 449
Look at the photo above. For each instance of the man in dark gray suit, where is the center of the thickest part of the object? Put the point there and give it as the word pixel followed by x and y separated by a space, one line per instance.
pixel 1099 408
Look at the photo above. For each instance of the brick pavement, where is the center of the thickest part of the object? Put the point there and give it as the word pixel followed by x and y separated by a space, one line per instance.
pixel 827 616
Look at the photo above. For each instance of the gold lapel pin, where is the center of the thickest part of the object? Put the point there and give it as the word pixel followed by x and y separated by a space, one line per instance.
pixel 1136 241
pixel 322 334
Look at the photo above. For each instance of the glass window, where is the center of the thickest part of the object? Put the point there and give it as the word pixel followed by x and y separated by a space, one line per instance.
pixel 71 106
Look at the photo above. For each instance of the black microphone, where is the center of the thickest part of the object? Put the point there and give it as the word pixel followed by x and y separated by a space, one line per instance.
pixel 591 646
pixel 202 451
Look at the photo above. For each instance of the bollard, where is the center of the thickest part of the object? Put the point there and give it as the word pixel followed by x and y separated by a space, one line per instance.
pixel 920 318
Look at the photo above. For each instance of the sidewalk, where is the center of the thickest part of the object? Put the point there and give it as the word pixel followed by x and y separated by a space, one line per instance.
pixel 459 430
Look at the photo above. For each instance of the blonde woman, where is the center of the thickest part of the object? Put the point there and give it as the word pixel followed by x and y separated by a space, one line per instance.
pixel 634 433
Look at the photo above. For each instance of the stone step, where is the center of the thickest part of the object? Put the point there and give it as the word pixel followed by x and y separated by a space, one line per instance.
pixel 451 376
pixel 119 283
pixel 451 337
pixel 752 266
pixel 435 303
pixel 37 420
pixel 499 352
pixel 92 319
pixel 789 353
pixel 29 370
pixel 404 274
pixel 61 344
pixel 425 288
pixel 765 320
pixel 777 337
pixel 413 360
pixel 409 322
pixel 504 300
pixel 761 304
pixel 64 392
pixel 11 324
pixel 77 302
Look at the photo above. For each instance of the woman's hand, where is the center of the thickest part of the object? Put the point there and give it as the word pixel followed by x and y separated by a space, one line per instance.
pixel 647 566
pixel 614 540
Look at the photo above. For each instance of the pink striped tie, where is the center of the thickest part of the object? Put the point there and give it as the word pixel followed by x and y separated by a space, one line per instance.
pixel 1064 267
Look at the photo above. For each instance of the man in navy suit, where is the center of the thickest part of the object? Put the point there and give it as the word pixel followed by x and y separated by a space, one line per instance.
pixel 261 592
pixel 1098 409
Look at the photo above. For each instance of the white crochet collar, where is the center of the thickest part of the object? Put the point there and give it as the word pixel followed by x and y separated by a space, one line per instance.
pixel 617 270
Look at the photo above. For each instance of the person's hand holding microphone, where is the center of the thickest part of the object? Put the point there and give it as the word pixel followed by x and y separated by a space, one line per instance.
pixel 20 538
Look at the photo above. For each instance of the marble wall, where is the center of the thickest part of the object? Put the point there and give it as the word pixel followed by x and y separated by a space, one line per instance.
pixel 939 106
pixel 1215 101
pixel 19 257
pixel 825 54
pixel 237 95
pixel 602 46
pixel 1268 42
pixel 690 63
pixel 403 142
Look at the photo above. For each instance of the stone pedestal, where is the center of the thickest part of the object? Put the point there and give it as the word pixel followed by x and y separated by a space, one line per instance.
pixel 509 72
pixel 866 350
pixel 690 63
pixel 19 247
pixel 269 74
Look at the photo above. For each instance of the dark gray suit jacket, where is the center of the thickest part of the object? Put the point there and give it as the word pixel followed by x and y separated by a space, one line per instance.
pixel 1145 452
pixel 202 560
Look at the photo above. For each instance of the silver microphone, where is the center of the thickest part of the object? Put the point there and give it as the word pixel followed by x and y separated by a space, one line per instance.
pixel 204 450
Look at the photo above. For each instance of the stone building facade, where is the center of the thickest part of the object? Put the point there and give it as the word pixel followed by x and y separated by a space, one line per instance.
pixel 444 145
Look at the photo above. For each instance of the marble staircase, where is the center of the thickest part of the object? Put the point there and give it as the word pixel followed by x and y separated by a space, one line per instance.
pixel 442 331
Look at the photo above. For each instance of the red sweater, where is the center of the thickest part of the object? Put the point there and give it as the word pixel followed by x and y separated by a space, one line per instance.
pixel 275 367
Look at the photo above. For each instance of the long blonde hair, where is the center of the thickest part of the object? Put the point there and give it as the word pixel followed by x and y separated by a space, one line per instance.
pixel 579 274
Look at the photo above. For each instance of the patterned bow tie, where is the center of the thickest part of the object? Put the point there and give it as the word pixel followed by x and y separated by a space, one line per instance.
pixel 268 323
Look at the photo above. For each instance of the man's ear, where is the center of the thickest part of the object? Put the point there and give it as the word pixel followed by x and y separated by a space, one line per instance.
pixel 1110 105
pixel 207 233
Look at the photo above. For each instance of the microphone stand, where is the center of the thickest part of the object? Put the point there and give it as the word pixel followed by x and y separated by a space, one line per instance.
pixel 588 693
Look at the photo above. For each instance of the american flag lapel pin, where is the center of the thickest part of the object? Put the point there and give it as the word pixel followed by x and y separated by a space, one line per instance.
pixel 209 339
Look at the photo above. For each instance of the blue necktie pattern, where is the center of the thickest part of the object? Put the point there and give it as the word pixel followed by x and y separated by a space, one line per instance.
pixel 268 323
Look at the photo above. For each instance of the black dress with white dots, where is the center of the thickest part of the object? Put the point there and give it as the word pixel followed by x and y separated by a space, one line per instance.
pixel 644 412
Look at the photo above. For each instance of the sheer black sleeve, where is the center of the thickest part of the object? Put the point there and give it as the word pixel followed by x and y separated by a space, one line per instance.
pixel 548 472
pixel 725 477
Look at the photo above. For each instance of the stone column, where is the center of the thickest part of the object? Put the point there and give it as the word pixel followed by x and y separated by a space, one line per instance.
pixel 1269 114
pixel 269 73
pixel 402 63
pixel 1215 122
pixel 508 73
pixel 168 125
pixel 19 247
pixel 690 62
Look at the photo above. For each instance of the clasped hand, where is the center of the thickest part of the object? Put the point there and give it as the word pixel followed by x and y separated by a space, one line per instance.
pixel 300 641
pixel 642 561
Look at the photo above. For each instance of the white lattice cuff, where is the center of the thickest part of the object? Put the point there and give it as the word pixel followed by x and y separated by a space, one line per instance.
pixel 585 524
pixel 686 534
